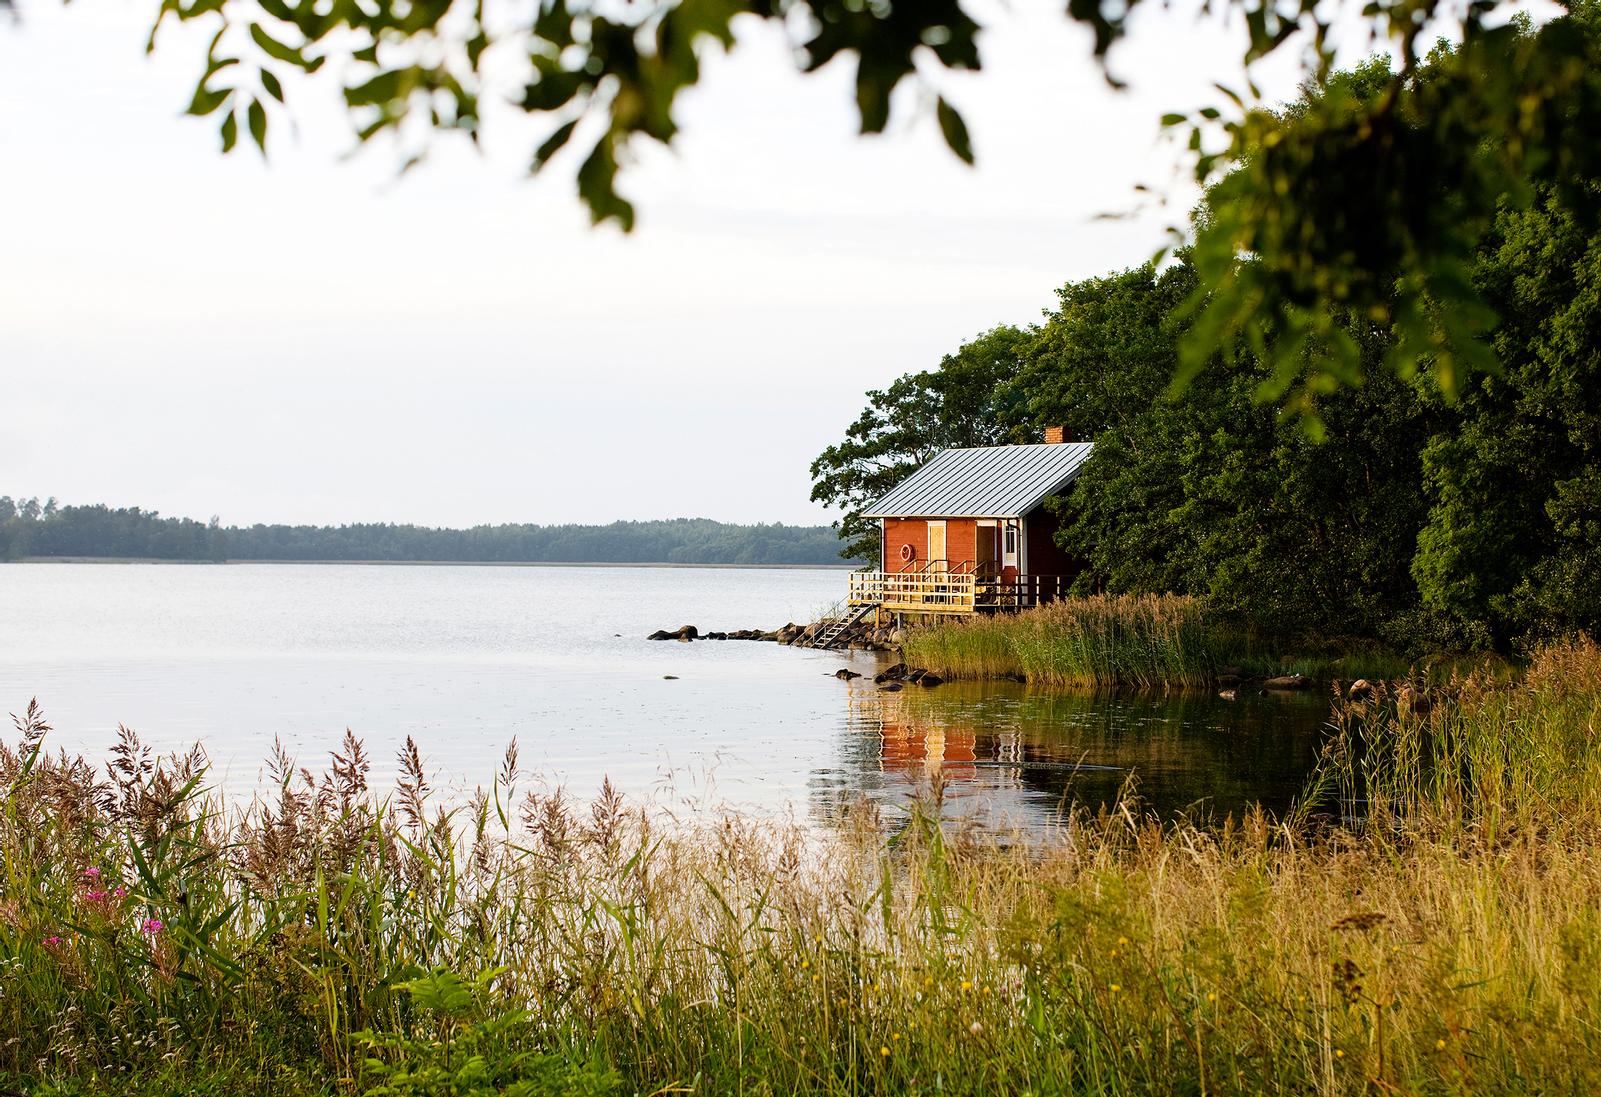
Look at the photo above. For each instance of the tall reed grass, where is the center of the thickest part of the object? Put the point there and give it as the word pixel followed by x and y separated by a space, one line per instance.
pixel 1440 934
pixel 1145 641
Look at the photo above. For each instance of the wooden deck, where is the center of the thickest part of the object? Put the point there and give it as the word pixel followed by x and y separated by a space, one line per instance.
pixel 946 588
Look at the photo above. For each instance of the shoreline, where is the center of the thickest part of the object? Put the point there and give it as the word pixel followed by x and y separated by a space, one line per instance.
pixel 427 563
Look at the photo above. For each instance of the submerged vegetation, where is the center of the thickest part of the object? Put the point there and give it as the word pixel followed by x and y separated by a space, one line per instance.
pixel 327 938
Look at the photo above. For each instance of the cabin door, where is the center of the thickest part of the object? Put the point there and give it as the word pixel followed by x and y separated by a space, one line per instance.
pixel 986 559
pixel 936 547
pixel 1009 547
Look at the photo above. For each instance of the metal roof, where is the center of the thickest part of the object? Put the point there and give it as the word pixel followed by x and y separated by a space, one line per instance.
pixel 991 482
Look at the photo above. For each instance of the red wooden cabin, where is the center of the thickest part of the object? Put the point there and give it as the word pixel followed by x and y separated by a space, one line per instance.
pixel 968 532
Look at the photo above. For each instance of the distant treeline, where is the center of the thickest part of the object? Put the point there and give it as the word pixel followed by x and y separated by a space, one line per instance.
pixel 31 528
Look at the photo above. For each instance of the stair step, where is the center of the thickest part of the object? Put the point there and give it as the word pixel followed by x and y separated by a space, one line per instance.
pixel 835 629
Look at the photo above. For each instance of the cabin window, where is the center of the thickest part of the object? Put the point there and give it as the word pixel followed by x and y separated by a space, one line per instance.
pixel 1010 540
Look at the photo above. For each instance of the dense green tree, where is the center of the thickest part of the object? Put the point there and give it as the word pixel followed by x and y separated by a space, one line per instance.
pixel 1514 476
pixel 134 533
pixel 1211 492
pixel 965 402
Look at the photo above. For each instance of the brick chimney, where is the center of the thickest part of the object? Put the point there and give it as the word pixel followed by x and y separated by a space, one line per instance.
pixel 1055 436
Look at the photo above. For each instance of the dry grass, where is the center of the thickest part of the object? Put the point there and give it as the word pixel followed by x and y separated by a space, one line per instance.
pixel 1446 944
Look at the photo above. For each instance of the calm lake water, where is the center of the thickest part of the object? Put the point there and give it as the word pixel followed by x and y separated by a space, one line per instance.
pixel 464 659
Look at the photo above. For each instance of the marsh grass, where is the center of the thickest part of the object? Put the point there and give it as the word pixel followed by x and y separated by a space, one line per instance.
pixel 1142 642
pixel 1139 641
pixel 1444 939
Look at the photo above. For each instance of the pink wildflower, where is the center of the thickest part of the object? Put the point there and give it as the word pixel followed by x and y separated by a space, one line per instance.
pixel 152 926
pixel 96 896
pixel 91 873
pixel 119 892
pixel 52 941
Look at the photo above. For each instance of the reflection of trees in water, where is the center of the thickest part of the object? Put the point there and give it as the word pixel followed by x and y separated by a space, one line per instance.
pixel 1011 756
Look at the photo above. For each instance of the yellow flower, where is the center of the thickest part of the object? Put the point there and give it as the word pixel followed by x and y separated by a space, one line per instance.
pixel 883 1051
pixel 1338 1054
pixel 1116 988
pixel 1122 941
pixel 966 985
pixel 1439 1045
pixel 805 964
pixel 1211 996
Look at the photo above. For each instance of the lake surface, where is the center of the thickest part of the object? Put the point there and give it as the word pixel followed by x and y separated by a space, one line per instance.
pixel 464 659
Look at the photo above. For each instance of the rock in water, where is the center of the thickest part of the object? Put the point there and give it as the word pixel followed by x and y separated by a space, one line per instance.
pixel 891 687
pixel 845 674
pixel 1287 681
pixel 927 679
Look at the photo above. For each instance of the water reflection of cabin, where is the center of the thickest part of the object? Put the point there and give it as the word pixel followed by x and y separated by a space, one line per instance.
pixel 969 532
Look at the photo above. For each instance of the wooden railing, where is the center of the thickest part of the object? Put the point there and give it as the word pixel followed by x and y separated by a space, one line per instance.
pixel 914 592
pixel 952 590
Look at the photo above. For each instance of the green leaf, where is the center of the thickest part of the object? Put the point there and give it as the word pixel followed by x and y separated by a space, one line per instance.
pixel 597 186
pixel 278 51
pixel 271 85
pixel 206 100
pixel 258 124
pixel 552 145
pixel 955 131
pixel 230 131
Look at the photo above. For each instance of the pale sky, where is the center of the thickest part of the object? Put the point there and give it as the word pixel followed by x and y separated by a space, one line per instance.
pixel 313 340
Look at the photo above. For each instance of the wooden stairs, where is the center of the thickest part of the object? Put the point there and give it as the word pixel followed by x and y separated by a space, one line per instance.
pixel 831 633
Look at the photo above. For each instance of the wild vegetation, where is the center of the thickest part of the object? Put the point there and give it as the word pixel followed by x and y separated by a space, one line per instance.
pixel 31 528
pixel 1435 932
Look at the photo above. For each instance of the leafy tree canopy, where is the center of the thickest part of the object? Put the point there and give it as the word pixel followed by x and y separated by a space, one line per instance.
pixel 1369 204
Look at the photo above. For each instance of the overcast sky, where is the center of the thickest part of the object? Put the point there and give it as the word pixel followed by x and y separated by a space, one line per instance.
pixel 314 341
